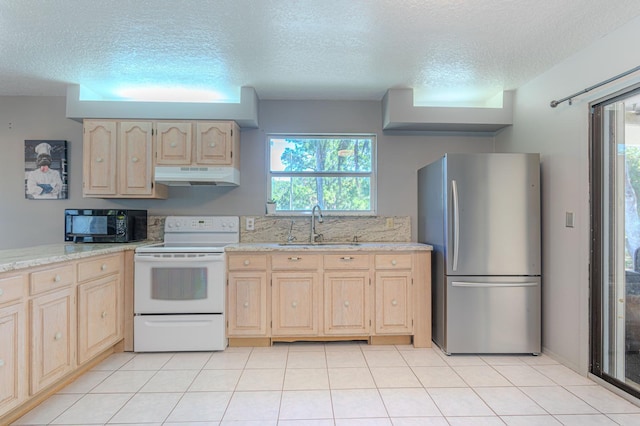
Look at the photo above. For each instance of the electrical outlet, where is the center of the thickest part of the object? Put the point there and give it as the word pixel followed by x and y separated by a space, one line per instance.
pixel 250 224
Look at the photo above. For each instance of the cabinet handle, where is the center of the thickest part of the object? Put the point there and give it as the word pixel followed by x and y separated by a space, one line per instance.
pixel 134 159
pixel 103 267
pixel 212 145
pixel 246 304
pixel 57 278
pixel 247 262
pixel 57 336
pixel 346 303
pixel 294 304
pixel 346 258
pixel 394 302
pixel 103 315
pixel 393 262
pixel 173 144
pixel 1 292
pixel 294 259
pixel 99 160
pixel 1 362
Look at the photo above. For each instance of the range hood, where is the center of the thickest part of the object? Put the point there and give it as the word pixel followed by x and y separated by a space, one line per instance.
pixel 197 175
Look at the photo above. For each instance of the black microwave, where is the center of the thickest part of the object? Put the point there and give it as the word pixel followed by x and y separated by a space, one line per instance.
pixel 105 226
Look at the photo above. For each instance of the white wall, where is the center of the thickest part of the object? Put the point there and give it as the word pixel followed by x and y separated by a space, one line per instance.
pixel 30 222
pixel 561 135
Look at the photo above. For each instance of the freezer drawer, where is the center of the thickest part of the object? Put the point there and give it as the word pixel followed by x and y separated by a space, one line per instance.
pixel 492 315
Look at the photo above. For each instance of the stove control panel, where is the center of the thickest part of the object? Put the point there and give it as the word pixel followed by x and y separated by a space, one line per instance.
pixel 205 224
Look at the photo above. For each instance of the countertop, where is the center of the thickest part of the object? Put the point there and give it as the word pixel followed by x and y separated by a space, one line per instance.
pixel 328 247
pixel 27 257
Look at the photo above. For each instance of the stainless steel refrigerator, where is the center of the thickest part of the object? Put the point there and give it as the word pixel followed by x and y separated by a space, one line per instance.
pixel 481 213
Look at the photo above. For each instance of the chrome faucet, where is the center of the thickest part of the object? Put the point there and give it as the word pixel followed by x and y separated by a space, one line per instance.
pixel 290 237
pixel 313 235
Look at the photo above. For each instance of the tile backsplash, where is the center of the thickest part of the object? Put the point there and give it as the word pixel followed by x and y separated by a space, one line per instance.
pixel 275 229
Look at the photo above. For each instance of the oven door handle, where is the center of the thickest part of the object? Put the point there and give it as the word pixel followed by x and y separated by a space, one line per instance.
pixel 157 258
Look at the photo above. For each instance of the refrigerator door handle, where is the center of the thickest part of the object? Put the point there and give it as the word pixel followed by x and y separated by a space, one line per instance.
pixel 456 223
pixel 481 284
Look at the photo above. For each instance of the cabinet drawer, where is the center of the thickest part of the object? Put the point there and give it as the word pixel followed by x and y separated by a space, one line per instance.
pixel 91 269
pixel 51 278
pixel 294 262
pixel 11 288
pixel 247 262
pixel 393 261
pixel 346 261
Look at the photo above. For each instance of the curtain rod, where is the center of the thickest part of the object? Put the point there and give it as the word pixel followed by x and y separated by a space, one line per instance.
pixel 554 104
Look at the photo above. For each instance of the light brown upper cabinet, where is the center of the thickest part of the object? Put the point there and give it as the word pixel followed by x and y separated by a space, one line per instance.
pixel 198 143
pixel 118 160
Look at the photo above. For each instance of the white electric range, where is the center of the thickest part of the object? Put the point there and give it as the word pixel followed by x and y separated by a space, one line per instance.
pixel 179 286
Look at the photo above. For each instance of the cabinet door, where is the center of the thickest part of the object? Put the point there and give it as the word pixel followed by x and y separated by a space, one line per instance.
pixel 213 143
pixel 99 321
pixel 136 158
pixel 346 303
pixel 53 331
pixel 13 379
pixel 295 301
pixel 99 158
pixel 393 302
pixel 173 142
pixel 247 310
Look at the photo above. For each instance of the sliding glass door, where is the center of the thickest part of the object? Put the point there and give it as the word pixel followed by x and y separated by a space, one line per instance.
pixel 615 263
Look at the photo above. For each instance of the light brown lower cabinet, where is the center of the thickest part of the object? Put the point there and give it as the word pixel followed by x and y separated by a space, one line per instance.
pixel 247 303
pixel 13 368
pixel 55 322
pixel 295 301
pixel 53 337
pixel 99 316
pixel 324 295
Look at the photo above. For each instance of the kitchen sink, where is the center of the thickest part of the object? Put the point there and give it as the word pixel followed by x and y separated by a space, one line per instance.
pixel 320 244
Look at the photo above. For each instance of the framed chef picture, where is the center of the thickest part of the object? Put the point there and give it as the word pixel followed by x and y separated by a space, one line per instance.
pixel 45 170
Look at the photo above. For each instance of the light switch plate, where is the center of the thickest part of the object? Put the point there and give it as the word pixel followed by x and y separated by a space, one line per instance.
pixel 568 219
pixel 250 224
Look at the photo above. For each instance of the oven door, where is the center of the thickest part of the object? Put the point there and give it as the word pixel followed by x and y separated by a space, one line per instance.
pixel 179 283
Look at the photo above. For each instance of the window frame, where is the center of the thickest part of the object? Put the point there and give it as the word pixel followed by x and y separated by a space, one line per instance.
pixel 373 184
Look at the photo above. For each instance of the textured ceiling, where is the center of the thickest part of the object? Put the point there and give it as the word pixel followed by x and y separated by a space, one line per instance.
pixel 447 50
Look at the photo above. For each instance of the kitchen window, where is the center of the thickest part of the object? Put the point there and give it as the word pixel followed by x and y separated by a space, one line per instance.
pixel 337 172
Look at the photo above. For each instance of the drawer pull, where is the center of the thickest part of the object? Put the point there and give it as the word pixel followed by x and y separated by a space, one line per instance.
pixel 134 159
pixel 99 160
pixel 57 336
pixel 57 278
pixel 246 304
pixel 294 259
pixel 212 145
pixel 394 262
pixel 346 303
pixel 1 362
pixel 247 262
pixel 346 258
pixel 394 302
pixel 294 304
pixel 103 315
pixel 173 144
pixel 103 267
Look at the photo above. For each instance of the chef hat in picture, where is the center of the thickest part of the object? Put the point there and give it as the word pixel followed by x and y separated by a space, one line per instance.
pixel 43 148
pixel 43 160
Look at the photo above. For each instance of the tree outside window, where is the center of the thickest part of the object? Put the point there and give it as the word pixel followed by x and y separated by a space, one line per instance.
pixel 336 172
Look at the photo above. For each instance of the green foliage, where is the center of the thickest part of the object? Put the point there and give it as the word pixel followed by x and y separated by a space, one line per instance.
pixel 333 173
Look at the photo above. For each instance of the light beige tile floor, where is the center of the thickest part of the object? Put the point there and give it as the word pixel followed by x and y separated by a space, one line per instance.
pixel 343 384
